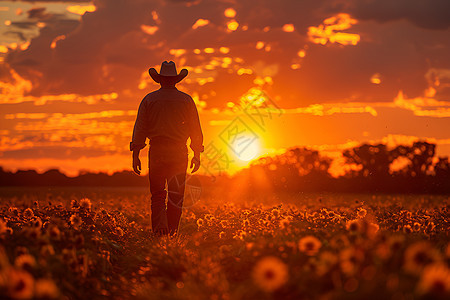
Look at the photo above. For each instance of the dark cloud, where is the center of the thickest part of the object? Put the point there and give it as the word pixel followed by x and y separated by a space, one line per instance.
pixel 107 51
pixel 38 13
pixel 430 14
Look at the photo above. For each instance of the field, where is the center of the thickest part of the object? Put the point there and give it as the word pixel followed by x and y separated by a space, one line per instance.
pixel 96 243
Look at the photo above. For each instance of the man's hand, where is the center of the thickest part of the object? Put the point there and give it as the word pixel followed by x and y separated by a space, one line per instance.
pixel 195 162
pixel 136 164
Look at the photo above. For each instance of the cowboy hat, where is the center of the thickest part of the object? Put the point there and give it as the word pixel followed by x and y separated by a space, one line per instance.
pixel 169 70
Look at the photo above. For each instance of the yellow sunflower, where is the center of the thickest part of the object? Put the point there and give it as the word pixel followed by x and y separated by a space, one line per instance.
pixel 435 280
pixel 418 255
pixel 76 221
pixel 20 284
pixel 85 204
pixel 309 245
pixel 270 273
pixel 25 262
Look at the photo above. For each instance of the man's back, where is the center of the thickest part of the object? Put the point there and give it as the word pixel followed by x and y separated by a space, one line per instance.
pixel 170 114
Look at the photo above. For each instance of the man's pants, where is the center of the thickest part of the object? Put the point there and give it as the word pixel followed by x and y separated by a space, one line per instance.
pixel 167 165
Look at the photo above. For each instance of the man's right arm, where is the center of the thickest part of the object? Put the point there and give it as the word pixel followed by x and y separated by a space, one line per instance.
pixel 139 135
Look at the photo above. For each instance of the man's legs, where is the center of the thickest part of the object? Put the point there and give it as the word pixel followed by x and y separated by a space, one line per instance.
pixel 157 178
pixel 176 185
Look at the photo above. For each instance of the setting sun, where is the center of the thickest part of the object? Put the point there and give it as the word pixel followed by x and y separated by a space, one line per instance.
pixel 246 148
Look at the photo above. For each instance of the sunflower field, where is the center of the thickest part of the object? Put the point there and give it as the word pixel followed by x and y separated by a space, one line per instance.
pixel 101 247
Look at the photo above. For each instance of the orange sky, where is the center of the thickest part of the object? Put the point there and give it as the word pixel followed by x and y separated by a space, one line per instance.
pixel 336 73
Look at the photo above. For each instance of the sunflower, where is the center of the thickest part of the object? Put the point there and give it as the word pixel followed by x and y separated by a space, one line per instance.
pixel 224 251
pixel 325 262
pixel 20 284
pixel 54 232
pixel 354 226
pixel 25 262
pixel 435 280
pixel 372 229
pixel 119 231
pixel 407 229
pixel 340 241
pixel 417 226
pixel 37 223
pixel 275 212
pixel 310 245
pixel 85 204
pixel 284 223
pixel 350 259
pixel 13 211
pixel 78 240
pixel 241 235
pixel 200 222
pixel 28 213
pixel 76 221
pixel 74 204
pixel 395 242
pixel 47 250
pixel 33 233
pixel 418 255
pixel 361 213
pixel 270 273
pixel 46 289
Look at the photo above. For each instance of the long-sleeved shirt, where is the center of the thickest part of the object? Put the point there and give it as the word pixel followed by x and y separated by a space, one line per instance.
pixel 169 114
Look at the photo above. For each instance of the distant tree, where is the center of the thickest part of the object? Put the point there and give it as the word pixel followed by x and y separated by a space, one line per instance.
pixel 442 168
pixel 421 156
pixel 374 160
pixel 294 169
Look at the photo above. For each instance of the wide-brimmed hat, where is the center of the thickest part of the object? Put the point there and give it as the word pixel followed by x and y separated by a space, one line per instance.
pixel 168 69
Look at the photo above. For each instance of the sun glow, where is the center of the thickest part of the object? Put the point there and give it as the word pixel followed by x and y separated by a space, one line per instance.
pixel 246 148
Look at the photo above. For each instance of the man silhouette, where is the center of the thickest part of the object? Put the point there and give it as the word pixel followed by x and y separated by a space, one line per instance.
pixel 167 117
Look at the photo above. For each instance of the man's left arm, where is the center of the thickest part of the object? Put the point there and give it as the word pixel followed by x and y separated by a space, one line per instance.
pixel 196 135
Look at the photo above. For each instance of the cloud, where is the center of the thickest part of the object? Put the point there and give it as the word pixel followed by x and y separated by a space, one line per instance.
pixel 429 14
pixel 331 31
pixel 47 135
pixel 108 50
pixel 423 106
pixel 72 166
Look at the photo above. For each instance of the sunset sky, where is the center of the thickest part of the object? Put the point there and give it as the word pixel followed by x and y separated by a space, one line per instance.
pixel 336 73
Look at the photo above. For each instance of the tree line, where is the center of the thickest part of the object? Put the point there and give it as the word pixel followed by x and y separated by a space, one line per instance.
pixel 371 168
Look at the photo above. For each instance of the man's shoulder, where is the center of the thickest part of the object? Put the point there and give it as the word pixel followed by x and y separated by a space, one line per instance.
pixel 159 94
pixel 184 94
pixel 151 96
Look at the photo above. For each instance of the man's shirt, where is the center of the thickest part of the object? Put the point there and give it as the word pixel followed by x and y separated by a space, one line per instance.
pixel 170 114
